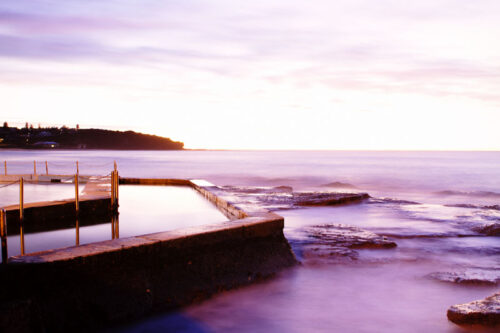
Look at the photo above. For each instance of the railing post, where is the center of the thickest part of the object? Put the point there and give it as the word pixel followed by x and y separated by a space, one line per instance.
pixel 77 168
pixel 3 234
pixel 21 236
pixel 21 198
pixel 112 190
pixel 112 226
pixel 77 227
pixel 77 196
pixel 117 193
pixel 34 168
pixel 115 226
pixel 46 168
pixel 21 214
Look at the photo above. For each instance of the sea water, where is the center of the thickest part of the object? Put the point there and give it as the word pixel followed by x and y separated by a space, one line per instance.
pixel 431 204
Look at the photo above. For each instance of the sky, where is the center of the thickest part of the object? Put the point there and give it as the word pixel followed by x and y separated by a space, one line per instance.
pixel 336 75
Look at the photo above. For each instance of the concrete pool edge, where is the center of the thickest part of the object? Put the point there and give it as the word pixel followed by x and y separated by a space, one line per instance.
pixel 124 278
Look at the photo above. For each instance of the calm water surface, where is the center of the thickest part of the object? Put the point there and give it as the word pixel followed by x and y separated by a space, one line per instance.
pixel 421 200
pixel 143 210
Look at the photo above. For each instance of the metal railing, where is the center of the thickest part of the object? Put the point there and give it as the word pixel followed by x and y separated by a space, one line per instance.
pixel 45 168
pixel 114 182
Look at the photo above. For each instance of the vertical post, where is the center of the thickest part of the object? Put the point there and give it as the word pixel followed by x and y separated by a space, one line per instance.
pixel 117 182
pixel 77 168
pixel 77 197
pixel 112 190
pixel 116 167
pixel 115 226
pixel 21 198
pixel 21 236
pixel 3 235
pixel 5 167
pixel 77 227
pixel 34 168
pixel 112 226
pixel 46 168
pixel 21 213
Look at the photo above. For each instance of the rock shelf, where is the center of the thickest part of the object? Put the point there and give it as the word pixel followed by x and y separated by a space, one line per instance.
pixel 484 312
pixel 339 242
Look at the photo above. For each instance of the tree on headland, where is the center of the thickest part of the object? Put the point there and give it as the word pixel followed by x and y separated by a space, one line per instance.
pixel 77 138
pixel 5 124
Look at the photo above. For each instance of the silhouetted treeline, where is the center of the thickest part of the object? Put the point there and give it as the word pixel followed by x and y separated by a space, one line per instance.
pixel 74 138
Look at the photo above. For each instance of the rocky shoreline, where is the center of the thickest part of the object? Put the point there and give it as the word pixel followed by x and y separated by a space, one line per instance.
pixel 483 312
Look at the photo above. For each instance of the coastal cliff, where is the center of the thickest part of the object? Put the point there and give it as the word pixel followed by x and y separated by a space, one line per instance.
pixel 75 138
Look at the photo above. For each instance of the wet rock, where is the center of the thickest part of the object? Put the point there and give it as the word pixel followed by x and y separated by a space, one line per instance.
pixel 485 194
pixel 258 189
pixel 283 197
pixel 392 201
pixel 482 276
pixel 348 236
pixel 484 312
pixel 492 207
pixel 488 229
pixel 339 185
pixel 283 189
pixel 338 242
pixel 327 199
pixel 316 252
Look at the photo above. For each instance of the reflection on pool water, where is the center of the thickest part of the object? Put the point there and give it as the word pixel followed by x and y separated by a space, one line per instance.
pixel 143 210
pixel 9 195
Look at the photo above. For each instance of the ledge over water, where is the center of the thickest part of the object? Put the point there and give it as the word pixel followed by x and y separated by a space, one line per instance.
pixel 94 285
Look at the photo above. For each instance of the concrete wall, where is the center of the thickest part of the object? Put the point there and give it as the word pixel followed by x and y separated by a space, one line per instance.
pixel 227 208
pixel 154 181
pixel 53 215
pixel 95 285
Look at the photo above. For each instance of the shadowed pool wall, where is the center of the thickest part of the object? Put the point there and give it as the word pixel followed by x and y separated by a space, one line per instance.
pixel 97 284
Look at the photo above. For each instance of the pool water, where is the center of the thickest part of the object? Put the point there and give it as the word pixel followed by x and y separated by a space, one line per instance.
pixel 9 195
pixel 143 210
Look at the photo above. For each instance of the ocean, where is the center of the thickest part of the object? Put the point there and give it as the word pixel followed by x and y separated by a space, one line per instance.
pixel 440 208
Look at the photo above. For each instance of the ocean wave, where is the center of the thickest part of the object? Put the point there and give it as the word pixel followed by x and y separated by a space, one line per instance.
pixel 259 189
pixel 392 201
pixel 493 207
pixel 483 194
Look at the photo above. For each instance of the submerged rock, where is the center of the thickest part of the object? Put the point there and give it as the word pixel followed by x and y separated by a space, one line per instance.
pixel 338 241
pixel 392 201
pixel 485 276
pixel 484 312
pixel 327 199
pixel 488 229
pixel 339 185
pixel 283 189
pixel 283 197
pixel 491 207
pixel 348 236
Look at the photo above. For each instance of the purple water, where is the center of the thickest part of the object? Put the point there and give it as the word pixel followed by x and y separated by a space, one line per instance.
pixel 431 204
